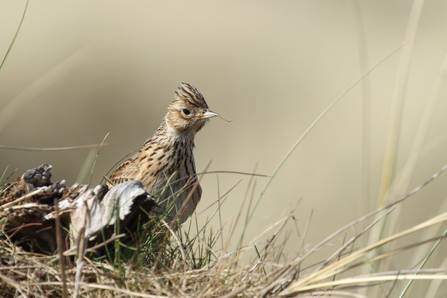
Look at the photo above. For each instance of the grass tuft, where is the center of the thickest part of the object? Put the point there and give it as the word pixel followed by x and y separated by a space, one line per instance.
pixel 165 260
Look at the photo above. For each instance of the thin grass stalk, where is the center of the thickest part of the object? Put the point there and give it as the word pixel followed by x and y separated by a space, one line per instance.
pixel 86 166
pixel 430 111
pixel 219 206
pixel 117 254
pixel 283 273
pixel 433 289
pixel 300 139
pixel 39 86
pixel 333 294
pixel 386 193
pixel 335 267
pixel 179 243
pixel 60 250
pixel 81 244
pixel 2 178
pixel 388 190
pixel 222 198
pixel 365 85
pixel 353 239
pixel 430 253
pixel 15 35
pixel 54 148
pixel 238 217
pixel 96 158
pixel 423 251
pixel 358 280
pixel 101 287
pixel 397 105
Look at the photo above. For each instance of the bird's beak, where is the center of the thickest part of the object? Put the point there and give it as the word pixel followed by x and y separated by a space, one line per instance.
pixel 208 114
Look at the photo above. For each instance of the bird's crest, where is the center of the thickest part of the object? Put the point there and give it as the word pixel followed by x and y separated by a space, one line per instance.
pixel 190 94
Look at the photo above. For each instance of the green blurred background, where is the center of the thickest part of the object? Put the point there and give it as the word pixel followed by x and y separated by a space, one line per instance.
pixel 81 69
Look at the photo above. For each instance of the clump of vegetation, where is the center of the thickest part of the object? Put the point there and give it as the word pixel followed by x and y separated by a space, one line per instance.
pixel 168 261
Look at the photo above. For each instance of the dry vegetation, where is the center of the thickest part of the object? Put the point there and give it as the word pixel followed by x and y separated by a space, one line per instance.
pixel 188 262
pixel 169 262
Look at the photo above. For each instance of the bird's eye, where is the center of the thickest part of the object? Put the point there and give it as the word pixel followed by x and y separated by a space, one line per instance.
pixel 186 112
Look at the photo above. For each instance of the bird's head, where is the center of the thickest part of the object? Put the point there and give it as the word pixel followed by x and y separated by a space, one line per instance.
pixel 188 112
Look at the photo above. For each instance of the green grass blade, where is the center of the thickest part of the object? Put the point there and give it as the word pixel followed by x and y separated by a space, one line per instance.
pixel 15 36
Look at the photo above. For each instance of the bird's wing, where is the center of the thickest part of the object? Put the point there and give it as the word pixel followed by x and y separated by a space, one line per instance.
pixel 127 171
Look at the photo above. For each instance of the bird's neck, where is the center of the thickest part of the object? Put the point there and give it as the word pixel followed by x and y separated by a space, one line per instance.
pixel 167 135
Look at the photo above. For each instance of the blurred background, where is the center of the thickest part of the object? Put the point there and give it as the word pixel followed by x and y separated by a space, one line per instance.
pixel 80 70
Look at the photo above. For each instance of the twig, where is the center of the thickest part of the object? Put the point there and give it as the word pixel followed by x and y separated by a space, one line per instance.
pixel 60 248
pixel 81 243
pixel 73 251
pixel 42 189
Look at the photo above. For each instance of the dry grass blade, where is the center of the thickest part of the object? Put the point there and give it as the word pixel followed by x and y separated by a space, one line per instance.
pixel 55 148
pixel 340 265
pixel 80 245
pixel 73 251
pixel 333 294
pixel 14 284
pixel 398 103
pixel 291 267
pixel 337 253
pixel 234 172
pixel 96 157
pixel 185 258
pixel 101 287
pixel 362 46
pixel 375 279
pixel 180 270
pixel 60 249
pixel 264 256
